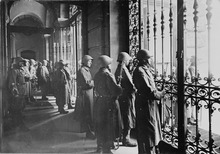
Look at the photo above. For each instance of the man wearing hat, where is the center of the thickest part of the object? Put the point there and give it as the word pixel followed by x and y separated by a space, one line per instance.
pixel 146 105
pixel 107 118
pixel 69 76
pixel 84 108
pixel 61 87
pixel 17 87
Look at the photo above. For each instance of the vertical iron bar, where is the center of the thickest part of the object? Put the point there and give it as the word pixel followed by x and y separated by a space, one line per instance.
pixel 163 73
pixel 195 18
pixel 148 25
pixel 155 38
pixel 139 22
pixel 208 16
pixel 171 59
pixel 171 37
pixel 180 78
pixel 162 37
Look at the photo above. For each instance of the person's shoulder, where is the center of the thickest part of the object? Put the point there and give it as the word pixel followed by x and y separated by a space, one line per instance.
pixel 140 69
pixel 108 74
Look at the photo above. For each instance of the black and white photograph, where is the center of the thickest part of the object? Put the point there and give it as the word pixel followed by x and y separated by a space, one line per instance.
pixel 110 76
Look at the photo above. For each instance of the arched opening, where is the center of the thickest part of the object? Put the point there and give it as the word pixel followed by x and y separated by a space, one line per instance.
pixel 28 54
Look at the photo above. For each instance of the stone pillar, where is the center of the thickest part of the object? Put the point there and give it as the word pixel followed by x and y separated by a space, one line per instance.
pixel 119 31
pixel 12 45
pixel 47 46
pixel 2 49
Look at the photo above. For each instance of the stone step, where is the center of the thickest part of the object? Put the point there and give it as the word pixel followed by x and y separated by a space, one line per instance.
pixel 43 104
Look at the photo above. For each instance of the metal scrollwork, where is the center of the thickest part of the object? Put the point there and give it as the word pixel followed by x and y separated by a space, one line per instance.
pixel 133 27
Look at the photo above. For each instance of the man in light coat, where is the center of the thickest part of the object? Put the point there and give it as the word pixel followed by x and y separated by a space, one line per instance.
pixel 84 108
pixel 146 105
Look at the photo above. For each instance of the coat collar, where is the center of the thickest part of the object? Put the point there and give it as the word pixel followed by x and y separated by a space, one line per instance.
pixel 86 68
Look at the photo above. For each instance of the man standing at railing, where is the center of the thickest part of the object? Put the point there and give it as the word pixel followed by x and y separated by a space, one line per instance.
pixel 146 105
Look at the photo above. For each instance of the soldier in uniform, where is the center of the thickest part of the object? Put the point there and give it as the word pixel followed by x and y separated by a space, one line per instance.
pixel 146 105
pixel 69 78
pixel 106 118
pixel 84 108
pixel 17 85
pixel 61 88
pixel 44 80
pixel 33 79
pixel 126 100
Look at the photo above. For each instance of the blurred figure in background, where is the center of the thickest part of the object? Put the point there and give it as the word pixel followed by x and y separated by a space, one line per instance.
pixel 17 87
pixel 43 79
pixel 69 76
pixel 61 87
pixel 27 81
pixel 50 70
pixel 33 79
pixel 38 73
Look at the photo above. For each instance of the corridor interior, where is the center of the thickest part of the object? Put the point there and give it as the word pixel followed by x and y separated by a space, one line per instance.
pixel 51 132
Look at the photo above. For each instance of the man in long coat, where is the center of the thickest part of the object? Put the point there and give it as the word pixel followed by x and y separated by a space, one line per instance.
pixel 61 87
pixel 17 88
pixel 84 107
pixel 44 80
pixel 146 105
pixel 107 121
pixel 126 100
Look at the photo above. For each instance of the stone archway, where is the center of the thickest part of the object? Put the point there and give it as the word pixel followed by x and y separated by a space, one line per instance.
pixel 28 54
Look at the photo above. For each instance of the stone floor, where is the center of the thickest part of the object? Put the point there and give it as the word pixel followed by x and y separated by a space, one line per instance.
pixel 51 132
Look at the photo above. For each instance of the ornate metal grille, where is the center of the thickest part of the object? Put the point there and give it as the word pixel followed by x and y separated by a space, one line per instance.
pixel 201 79
pixel 133 27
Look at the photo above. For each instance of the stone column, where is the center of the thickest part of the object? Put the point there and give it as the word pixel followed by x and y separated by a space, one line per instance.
pixel 12 45
pixel 47 46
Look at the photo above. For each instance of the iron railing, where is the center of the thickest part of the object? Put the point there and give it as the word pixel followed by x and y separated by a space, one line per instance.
pixel 201 89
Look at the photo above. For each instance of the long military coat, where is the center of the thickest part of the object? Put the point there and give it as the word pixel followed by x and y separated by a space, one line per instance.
pixel 127 98
pixel 146 104
pixel 84 101
pixel 108 122
pixel 17 87
pixel 61 88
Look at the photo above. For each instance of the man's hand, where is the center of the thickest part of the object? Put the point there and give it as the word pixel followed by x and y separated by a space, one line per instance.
pixel 15 92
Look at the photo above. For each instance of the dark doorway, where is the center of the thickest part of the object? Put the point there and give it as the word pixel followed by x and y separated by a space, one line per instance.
pixel 28 54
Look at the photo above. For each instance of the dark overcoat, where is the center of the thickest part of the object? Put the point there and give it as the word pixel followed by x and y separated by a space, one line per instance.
pixel 127 98
pixel 146 104
pixel 61 88
pixel 108 122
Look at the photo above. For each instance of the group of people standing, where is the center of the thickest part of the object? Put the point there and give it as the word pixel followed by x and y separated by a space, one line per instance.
pixel 110 105
pixel 22 81
pixel 28 78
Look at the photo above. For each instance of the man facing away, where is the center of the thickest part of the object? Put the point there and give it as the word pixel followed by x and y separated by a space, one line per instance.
pixel 146 105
